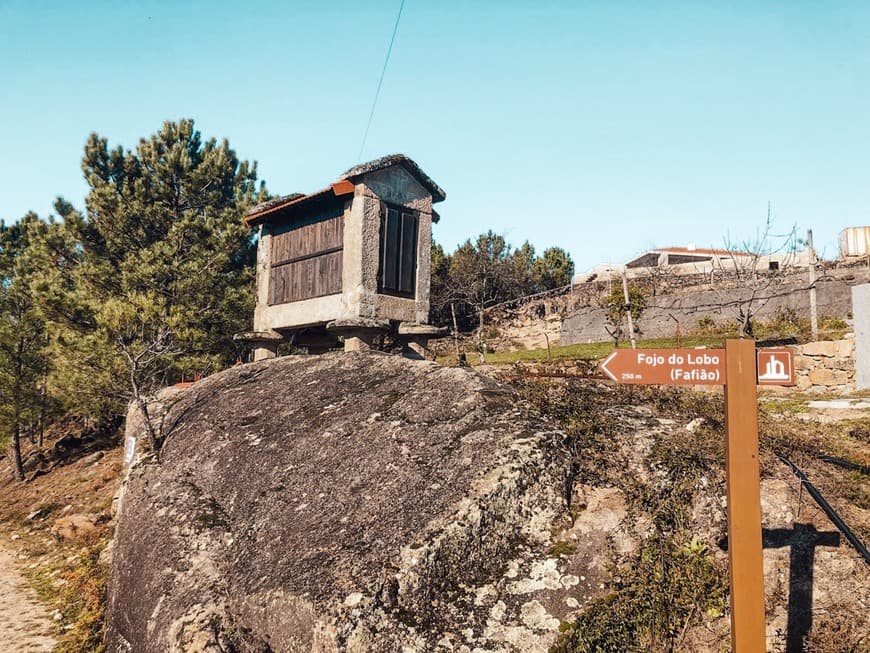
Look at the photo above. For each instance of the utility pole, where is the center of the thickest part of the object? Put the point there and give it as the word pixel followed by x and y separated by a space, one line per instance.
pixel 814 315
pixel 628 310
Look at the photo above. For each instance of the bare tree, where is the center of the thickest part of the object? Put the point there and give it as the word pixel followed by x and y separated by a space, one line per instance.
pixel 481 274
pixel 757 272
pixel 147 358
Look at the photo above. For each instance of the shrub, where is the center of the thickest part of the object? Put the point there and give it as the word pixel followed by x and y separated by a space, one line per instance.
pixel 665 588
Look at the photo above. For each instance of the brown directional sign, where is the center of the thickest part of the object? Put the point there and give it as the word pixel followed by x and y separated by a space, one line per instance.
pixel 775 366
pixel 666 366
pixel 739 367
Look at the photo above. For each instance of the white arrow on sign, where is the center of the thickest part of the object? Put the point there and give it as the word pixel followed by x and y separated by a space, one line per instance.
pixel 604 363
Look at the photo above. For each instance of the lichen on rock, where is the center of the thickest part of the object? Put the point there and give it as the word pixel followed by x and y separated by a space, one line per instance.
pixel 346 502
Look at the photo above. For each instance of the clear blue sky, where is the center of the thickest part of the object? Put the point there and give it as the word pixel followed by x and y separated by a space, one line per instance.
pixel 602 127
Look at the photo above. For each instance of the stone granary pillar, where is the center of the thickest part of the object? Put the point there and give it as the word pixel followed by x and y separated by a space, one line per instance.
pixel 265 343
pixel 415 339
pixel 359 334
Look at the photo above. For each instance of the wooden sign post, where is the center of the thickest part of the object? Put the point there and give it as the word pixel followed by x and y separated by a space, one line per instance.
pixel 744 498
pixel 739 367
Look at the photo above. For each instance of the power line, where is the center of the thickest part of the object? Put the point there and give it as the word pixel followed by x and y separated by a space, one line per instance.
pixel 380 81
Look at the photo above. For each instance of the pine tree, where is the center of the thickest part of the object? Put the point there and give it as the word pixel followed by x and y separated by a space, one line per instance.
pixel 22 341
pixel 488 271
pixel 152 281
pixel 553 269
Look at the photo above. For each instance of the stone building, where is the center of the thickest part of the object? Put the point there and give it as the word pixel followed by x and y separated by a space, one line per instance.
pixel 347 263
pixel 691 260
pixel 679 261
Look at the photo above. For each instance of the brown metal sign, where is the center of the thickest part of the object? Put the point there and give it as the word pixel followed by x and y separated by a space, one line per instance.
pixel 666 366
pixel 775 366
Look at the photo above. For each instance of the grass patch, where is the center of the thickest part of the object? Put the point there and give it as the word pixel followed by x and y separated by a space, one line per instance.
pixel 787 406
pixel 845 439
pixel 82 602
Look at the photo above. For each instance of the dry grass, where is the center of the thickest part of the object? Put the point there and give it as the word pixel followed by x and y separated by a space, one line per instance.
pixel 631 617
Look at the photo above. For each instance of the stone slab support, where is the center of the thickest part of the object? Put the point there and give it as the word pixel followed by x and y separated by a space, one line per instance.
pixel 415 339
pixel 359 334
pixel 264 343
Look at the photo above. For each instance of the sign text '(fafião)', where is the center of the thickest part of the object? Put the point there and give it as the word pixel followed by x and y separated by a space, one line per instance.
pixel 687 366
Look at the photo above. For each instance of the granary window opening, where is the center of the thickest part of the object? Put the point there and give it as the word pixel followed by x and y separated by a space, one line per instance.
pixel 397 270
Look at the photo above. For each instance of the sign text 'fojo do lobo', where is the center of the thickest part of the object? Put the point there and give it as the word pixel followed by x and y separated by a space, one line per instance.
pixel 739 367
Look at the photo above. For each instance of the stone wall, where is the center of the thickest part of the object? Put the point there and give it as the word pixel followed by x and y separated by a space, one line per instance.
pixel 528 323
pixel 575 315
pixel 826 366
pixel 683 308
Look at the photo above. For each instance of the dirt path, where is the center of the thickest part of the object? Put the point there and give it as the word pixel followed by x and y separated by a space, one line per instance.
pixel 25 623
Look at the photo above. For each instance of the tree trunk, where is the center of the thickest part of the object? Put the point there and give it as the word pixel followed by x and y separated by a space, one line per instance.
pixel 15 454
pixel 628 308
pixel 455 329
pixel 15 443
pixel 745 321
pixel 615 334
pixel 153 438
pixel 480 346
pixel 43 395
pixel 142 405
pixel 814 313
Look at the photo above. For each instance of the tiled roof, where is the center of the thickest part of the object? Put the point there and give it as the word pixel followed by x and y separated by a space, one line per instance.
pixel 262 212
pixel 699 250
pixel 344 186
